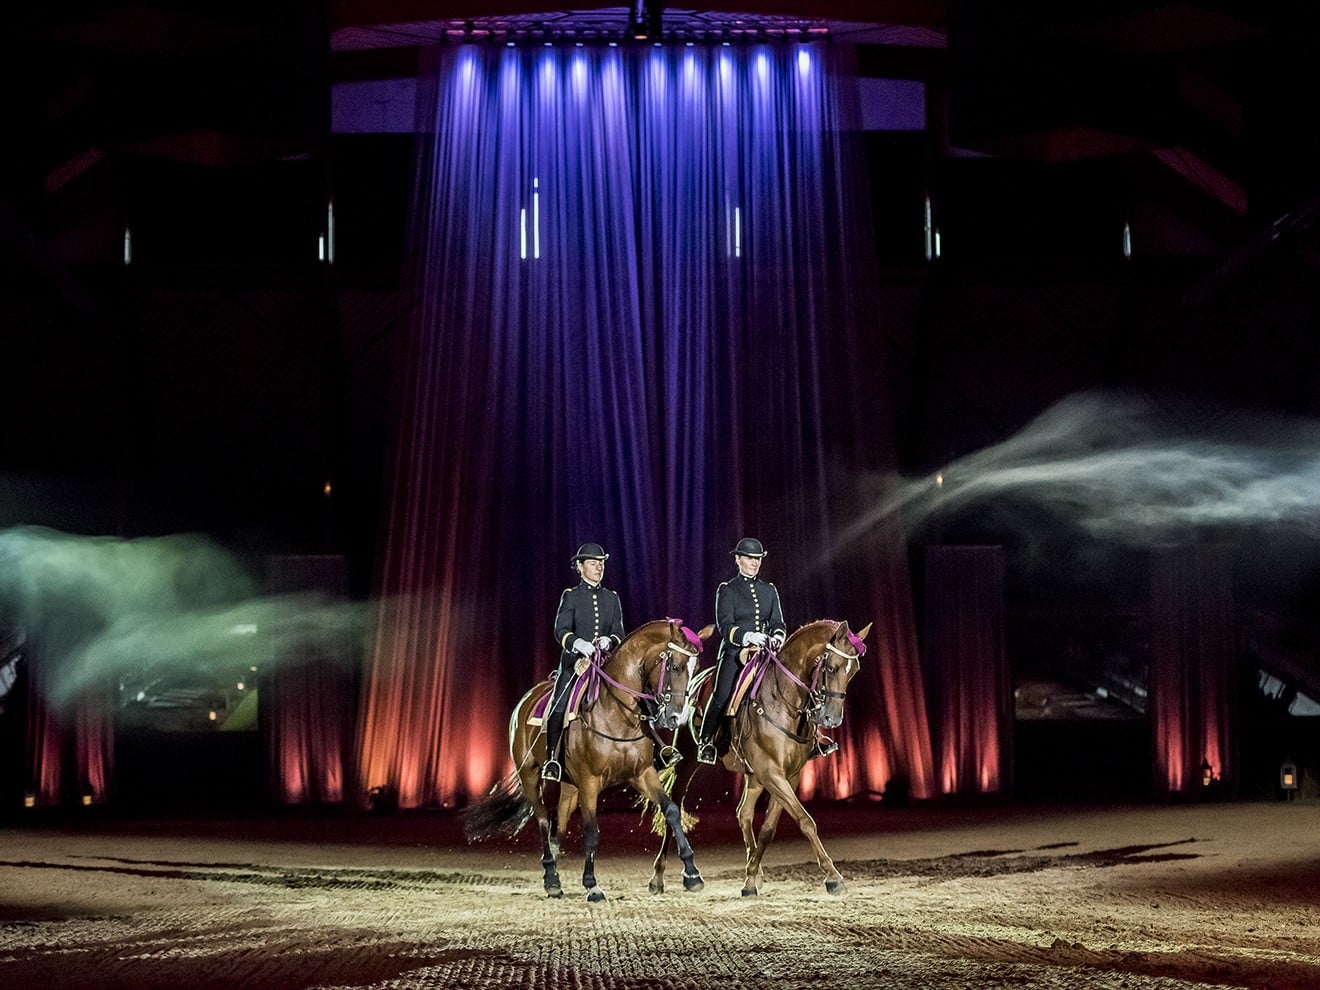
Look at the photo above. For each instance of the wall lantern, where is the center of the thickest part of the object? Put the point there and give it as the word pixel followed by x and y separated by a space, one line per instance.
pixel 1288 777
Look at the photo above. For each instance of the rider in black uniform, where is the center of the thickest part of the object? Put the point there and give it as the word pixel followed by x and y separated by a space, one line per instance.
pixel 747 613
pixel 589 616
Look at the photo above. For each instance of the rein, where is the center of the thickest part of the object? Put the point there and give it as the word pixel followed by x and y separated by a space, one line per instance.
pixel 814 695
pixel 596 673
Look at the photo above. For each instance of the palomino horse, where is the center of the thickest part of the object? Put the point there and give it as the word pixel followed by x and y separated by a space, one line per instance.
pixel 771 736
pixel 604 745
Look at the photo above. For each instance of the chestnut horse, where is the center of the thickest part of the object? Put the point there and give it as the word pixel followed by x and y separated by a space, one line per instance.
pixel 604 745
pixel 770 739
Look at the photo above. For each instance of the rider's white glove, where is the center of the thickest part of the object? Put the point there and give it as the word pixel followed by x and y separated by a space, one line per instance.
pixel 604 642
pixel 776 641
pixel 754 639
pixel 584 646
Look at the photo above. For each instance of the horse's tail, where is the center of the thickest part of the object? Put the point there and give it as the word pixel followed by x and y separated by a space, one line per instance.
pixel 658 824
pixel 502 812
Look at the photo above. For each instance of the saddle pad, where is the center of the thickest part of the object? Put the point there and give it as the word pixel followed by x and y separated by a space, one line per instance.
pixel 537 717
pixel 753 663
pixel 575 694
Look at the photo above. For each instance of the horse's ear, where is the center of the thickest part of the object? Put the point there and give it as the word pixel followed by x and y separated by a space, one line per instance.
pixel 840 633
pixel 862 634
pixel 706 633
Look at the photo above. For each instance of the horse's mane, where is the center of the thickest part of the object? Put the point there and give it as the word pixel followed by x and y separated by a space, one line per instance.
pixel 812 627
pixel 662 625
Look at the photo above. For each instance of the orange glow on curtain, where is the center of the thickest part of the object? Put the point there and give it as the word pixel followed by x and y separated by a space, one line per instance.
pixel 309 727
pixel 1192 665
pixel 44 747
pixel 967 658
pixel 308 698
pixel 93 746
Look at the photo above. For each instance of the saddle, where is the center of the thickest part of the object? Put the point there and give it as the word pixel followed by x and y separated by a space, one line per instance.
pixel 576 693
pixel 703 685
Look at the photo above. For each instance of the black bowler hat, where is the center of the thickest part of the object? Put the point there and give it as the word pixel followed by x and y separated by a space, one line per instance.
pixel 749 547
pixel 590 551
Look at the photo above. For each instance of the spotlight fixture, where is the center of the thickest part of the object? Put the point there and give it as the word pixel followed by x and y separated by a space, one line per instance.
pixel 645 19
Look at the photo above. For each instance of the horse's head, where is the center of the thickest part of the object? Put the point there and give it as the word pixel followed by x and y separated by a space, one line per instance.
pixel 831 659
pixel 668 668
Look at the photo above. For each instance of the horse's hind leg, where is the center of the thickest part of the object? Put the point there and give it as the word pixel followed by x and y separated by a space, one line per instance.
pixel 587 798
pixel 531 785
pixel 752 790
pixel 765 836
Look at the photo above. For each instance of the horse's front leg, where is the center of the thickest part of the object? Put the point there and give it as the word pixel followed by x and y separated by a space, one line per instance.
pixel 588 796
pixel 781 790
pixel 648 784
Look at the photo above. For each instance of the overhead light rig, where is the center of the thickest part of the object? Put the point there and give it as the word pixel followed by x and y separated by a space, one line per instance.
pixel 641 23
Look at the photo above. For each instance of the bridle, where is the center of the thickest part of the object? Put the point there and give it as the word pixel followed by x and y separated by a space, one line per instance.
pixel 814 695
pixel 664 693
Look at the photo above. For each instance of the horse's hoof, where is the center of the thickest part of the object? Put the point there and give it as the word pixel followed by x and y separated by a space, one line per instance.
pixel 554 891
pixel 834 887
pixel 750 892
pixel 595 895
pixel 655 888
pixel 693 883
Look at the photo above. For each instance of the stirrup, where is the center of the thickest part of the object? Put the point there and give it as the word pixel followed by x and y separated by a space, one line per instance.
pixel 668 756
pixel 823 746
pixel 551 770
pixel 706 753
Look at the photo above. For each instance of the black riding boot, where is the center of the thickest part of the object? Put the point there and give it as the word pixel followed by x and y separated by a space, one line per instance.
pixel 712 721
pixel 554 729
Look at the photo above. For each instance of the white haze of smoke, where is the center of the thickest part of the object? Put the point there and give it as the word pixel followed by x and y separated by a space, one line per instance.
pixel 94 608
pixel 1117 468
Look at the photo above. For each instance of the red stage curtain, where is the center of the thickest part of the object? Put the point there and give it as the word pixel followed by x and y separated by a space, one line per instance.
pixel 682 356
pixel 308 709
pixel 1192 665
pixel 968 675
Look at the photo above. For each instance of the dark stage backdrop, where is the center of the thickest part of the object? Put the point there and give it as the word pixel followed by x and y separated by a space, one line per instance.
pixel 645 284
pixel 1192 666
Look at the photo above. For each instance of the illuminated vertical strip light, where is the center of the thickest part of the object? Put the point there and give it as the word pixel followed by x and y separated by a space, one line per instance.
pixel 128 245
pixel 320 247
pixel 1127 239
pixel 937 243
pixel 737 231
pixel 536 217
pixel 522 233
pixel 330 230
pixel 929 233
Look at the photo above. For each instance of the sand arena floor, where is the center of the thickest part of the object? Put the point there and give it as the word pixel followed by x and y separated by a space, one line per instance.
pixel 1130 897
